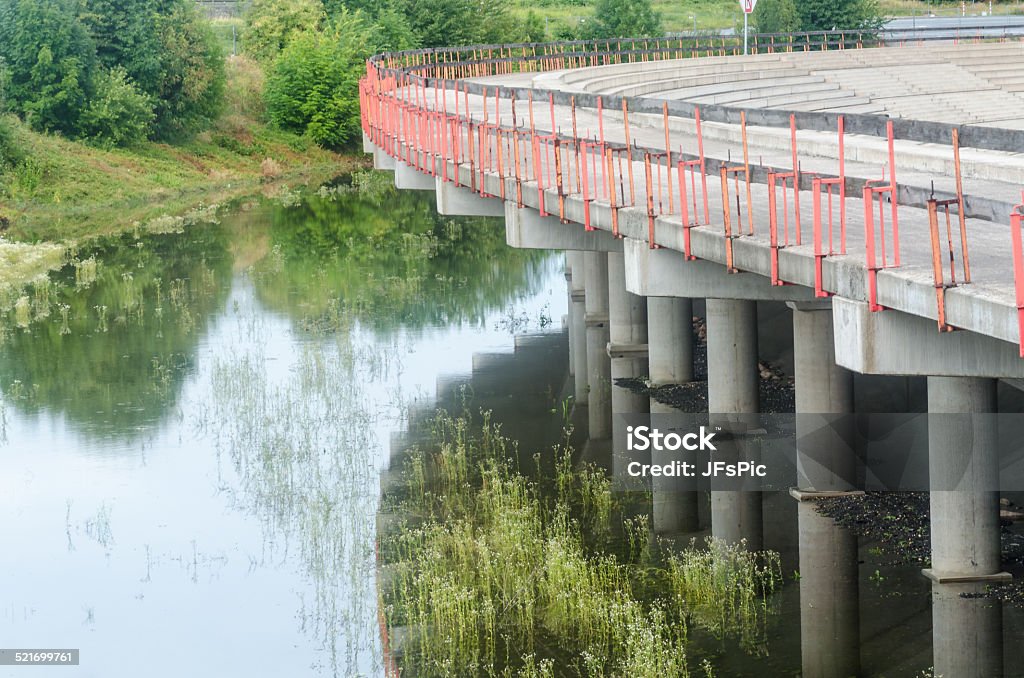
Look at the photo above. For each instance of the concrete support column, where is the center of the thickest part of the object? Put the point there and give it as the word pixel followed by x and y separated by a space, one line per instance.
pixel 829 597
pixel 626 311
pixel 670 361
pixel 670 340
pixel 568 318
pixel 967 633
pixel 963 467
pixel 732 357
pixel 577 325
pixel 627 314
pixel 826 460
pixel 599 410
pixel 732 393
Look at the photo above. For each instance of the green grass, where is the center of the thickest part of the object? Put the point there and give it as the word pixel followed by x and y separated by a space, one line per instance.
pixel 684 16
pixel 63 190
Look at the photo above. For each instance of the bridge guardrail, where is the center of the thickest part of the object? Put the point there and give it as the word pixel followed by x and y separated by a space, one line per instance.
pixel 401 117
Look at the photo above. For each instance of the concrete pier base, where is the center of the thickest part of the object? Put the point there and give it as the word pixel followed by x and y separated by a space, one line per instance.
pixel 963 468
pixel 733 397
pixel 670 340
pixel 967 633
pixel 599 409
pixel 829 597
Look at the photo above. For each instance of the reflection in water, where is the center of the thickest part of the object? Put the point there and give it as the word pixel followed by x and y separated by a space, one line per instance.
pixel 247 374
pixel 109 341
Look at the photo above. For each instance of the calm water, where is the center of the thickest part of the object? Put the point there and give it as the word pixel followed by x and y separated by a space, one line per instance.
pixel 194 424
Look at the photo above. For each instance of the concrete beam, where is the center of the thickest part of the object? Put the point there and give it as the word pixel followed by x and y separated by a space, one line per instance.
pixel 368 145
pixel 409 178
pixel 892 342
pixel 381 160
pixel 527 229
pixel 664 273
pixel 459 201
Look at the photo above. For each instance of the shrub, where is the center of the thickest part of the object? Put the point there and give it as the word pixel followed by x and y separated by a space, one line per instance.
pixel 312 88
pixel 118 113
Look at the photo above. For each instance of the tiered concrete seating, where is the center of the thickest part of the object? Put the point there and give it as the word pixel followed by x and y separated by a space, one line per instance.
pixel 968 83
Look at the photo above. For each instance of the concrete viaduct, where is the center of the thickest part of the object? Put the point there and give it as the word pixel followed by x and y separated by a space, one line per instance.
pixel 665 169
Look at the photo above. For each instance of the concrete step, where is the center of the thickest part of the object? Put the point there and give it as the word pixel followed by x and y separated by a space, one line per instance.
pixel 868 107
pixel 820 98
pixel 747 89
pixel 728 81
pixel 763 94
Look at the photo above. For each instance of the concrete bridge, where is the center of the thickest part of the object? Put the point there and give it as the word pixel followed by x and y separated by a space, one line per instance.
pixel 872 189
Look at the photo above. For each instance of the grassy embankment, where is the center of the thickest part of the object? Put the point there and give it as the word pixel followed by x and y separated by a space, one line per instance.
pixel 62 190
pixel 717 14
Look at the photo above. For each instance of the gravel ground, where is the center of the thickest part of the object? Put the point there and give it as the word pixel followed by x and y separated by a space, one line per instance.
pixel 777 390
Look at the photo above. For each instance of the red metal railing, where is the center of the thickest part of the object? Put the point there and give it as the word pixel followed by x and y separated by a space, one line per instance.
pixel 1016 222
pixel 839 184
pixel 470 134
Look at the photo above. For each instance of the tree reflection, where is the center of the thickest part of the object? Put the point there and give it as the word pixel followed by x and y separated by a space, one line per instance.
pixel 110 338
pixel 388 259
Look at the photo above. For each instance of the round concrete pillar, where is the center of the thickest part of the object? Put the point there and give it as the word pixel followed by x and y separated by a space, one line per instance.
pixel 675 509
pixel 732 393
pixel 826 459
pixel 732 356
pixel 829 597
pixel 670 340
pixel 963 467
pixel 967 633
pixel 599 407
pixel 578 326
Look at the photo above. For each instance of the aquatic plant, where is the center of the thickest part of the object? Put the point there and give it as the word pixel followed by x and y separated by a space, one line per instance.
pixel 494 572
pixel 725 588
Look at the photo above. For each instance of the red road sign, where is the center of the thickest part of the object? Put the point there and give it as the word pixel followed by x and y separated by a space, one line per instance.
pixel 748 5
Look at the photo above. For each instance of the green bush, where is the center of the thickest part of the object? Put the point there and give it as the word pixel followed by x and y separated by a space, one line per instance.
pixel 271 25
pixel 312 88
pixel 118 114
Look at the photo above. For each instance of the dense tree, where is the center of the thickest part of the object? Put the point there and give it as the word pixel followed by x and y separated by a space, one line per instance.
pixel 392 32
pixel 112 58
pixel 190 90
pixel 51 61
pixel 441 23
pixel 124 32
pixel 776 16
pixel 826 15
pixel 271 25
pixel 624 19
